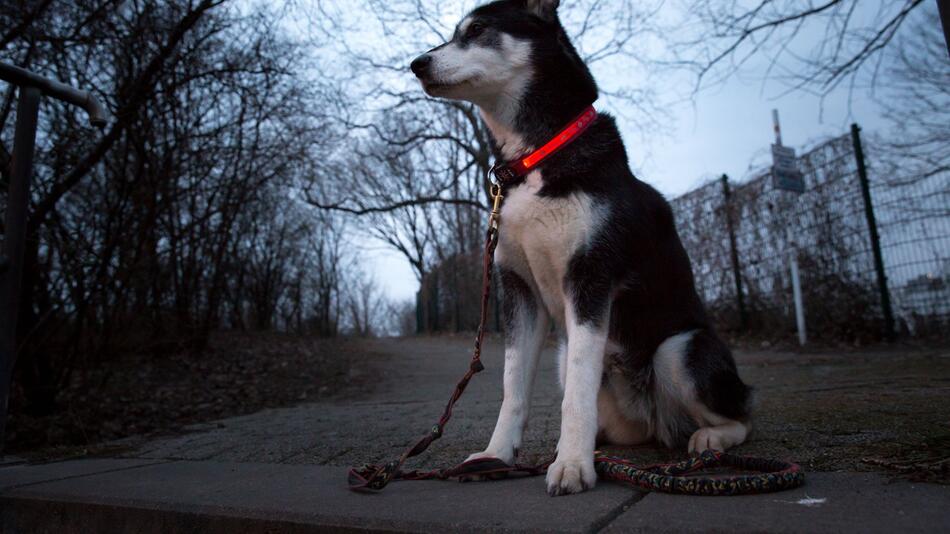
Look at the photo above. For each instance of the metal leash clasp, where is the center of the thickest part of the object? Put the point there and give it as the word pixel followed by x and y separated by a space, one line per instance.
pixel 497 197
pixel 495 191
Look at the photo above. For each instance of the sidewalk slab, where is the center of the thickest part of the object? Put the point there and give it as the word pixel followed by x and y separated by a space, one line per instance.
pixel 206 496
pixel 829 502
pixel 23 474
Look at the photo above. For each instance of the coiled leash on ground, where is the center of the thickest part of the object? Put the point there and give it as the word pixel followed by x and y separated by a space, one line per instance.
pixel 762 475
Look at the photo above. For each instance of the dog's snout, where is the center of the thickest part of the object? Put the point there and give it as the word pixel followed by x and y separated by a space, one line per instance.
pixel 420 65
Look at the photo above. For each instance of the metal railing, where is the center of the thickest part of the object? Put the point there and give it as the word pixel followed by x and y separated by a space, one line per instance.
pixel 31 88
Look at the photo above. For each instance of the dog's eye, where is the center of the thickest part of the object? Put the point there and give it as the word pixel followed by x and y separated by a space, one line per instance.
pixel 474 29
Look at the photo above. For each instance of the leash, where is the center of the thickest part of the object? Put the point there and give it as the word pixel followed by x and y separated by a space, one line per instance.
pixel 685 477
pixel 374 477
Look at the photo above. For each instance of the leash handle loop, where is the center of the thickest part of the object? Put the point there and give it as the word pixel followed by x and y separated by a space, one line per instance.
pixel 760 476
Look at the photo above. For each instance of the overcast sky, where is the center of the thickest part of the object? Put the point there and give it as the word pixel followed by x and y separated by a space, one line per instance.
pixel 726 129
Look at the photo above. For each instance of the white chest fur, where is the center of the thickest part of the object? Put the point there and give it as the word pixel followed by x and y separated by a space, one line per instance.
pixel 540 235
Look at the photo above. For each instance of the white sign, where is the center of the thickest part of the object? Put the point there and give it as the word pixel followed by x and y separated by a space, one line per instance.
pixel 785 173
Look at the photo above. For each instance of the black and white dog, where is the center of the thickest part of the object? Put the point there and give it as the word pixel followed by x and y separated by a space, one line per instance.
pixel 586 245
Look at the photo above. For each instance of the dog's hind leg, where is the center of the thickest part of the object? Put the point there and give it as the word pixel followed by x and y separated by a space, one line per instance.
pixel 719 437
pixel 696 377
pixel 615 427
pixel 526 327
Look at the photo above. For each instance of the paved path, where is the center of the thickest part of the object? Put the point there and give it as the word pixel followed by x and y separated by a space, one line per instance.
pixel 406 385
pixel 284 470
pixel 827 411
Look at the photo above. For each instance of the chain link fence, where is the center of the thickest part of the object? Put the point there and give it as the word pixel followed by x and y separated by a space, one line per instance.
pixel 741 237
pixel 914 220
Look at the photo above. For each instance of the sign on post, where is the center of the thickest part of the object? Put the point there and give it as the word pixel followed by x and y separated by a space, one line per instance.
pixel 785 172
pixel 787 176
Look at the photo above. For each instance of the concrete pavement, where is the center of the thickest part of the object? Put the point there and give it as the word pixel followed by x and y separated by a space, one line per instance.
pixel 283 470
pixel 140 496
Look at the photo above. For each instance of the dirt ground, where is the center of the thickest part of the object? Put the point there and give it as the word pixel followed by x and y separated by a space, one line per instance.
pixel 154 395
pixel 878 409
pixel 884 409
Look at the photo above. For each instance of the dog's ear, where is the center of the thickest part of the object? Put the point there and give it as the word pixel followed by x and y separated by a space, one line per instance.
pixel 546 9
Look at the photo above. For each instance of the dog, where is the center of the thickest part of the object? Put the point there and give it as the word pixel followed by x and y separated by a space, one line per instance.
pixel 587 245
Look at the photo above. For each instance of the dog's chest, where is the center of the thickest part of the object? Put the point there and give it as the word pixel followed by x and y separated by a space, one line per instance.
pixel 540 235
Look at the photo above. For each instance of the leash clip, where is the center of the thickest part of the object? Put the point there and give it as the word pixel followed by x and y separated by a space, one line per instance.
pixel 495 192
pixel 497 197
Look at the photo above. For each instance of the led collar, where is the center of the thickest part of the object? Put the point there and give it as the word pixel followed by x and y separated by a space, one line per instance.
pixel 506 172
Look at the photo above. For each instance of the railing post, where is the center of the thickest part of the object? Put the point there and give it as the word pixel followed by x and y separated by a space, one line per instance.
pixel 32 87
pixel 734 252
pixel 11 256
pixel 872 230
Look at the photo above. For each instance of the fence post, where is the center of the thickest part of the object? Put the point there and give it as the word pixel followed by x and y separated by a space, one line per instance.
pixel 734 252
pixel 875 237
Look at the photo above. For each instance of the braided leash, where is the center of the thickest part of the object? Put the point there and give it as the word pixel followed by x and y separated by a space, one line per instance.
pixel 763 475
pixel 375 477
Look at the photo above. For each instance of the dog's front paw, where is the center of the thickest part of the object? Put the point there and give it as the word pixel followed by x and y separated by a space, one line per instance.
pixel 571 476
pixel 507 457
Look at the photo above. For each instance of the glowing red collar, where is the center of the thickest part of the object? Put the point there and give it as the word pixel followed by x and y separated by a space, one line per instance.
pixel 506 172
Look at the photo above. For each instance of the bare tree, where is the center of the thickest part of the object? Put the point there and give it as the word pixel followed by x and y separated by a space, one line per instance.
pixel 916 99
pixel 184 216
pixel 813 45
pixel 366 305
pixel 895 51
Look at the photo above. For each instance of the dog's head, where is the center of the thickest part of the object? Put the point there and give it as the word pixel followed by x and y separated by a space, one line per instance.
pixel 497 51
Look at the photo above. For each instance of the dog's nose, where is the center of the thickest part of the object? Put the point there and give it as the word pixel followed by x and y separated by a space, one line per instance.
pixel 420 65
